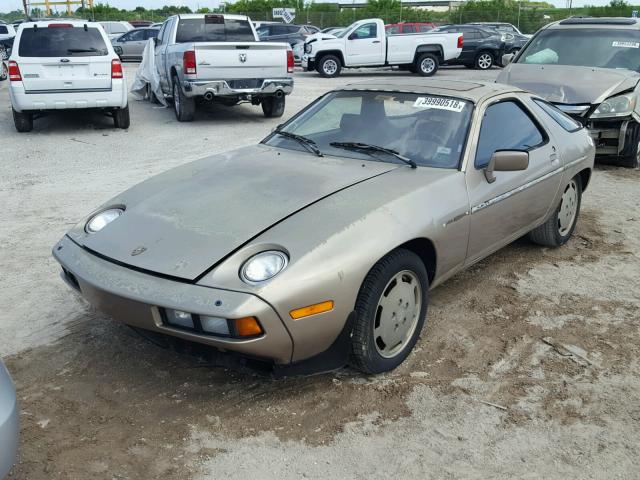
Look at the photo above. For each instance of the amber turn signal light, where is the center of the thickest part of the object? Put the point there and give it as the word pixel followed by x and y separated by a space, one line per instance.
pixel 312 310
pixel 247 327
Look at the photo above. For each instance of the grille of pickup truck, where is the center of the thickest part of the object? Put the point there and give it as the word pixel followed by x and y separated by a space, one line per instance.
pixel 245 83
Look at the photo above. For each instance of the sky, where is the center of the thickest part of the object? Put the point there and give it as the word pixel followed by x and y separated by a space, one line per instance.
pixel 130 4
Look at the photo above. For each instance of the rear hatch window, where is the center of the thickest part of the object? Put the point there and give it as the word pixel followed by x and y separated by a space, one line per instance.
pixel 61 42
pixel 214 28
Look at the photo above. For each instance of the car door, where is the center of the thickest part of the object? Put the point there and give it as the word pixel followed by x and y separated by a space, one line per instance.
pixel 160 57
pixel 516 201
pixel 132 43
pixel 365 46
pixel 472 39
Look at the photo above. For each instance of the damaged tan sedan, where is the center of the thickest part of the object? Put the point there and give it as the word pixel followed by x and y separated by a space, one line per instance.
pixel 318 247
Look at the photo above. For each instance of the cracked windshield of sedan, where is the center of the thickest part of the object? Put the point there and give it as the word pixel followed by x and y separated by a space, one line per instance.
pixel 421 129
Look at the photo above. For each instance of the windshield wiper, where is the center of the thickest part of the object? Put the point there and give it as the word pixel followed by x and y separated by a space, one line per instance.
pixel 365 147
pixel 302 140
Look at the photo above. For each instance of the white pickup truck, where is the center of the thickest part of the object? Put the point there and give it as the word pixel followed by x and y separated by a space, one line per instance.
pixel 220 58
pixel 365 44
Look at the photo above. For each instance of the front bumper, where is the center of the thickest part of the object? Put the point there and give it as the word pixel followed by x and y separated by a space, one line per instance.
pixel 136 299
pixel 9 428
pixel 610 136
pixel 308 63
pixel 238 88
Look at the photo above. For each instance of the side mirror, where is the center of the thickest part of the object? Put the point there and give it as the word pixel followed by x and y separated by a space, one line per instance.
pixel 352 36
pixel 507 58
pixel 506 161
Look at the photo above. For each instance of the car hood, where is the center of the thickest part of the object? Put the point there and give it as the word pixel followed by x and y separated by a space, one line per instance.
pixel 182 222
pixel 569 84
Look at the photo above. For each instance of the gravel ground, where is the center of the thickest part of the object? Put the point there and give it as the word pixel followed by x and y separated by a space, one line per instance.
pixel 527 368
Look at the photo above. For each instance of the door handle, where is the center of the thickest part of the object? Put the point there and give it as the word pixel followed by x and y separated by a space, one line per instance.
pixel 376 41
pixel 553 156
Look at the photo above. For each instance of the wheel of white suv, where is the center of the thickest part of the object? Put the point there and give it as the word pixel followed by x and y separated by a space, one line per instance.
pixel 23 121
pixel 121 117
pixel 183 106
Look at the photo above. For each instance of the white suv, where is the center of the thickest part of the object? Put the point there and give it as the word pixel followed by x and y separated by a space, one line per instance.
pixel 58 65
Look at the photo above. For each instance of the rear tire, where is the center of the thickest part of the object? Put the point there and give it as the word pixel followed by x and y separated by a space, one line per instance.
pixel 184 107
pixel 426 65
pixel 121 117
pixel 387 328
pixel 557 230
pixel 484 61
pixel 23 121
pixel 4 73
pixel 273 107
pixel 329 66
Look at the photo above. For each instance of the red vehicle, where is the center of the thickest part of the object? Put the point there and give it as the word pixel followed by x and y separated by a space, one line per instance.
pixel 408 27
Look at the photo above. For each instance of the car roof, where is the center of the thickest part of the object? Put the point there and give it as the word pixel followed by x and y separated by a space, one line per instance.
pixel 472 91
pixel 596 22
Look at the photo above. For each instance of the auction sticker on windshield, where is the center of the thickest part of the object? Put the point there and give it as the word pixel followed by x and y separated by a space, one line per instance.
pixel 626 44
pixel 439 103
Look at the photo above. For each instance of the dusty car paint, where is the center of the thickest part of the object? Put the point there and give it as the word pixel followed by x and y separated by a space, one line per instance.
pixel 334 219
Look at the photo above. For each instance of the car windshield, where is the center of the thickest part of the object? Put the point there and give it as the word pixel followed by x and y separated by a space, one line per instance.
pixel 430 130
pixel 586 47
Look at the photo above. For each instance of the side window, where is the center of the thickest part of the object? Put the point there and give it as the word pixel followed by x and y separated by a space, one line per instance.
pixel 368 30
pixel 425 28
pixel 135 36
pixel 393 30
pixel 506 126
pixel 409 29
pixel 561 118
pixel 152 33
pixel 3 29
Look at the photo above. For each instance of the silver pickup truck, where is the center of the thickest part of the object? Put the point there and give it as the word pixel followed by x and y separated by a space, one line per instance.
pixel 219 58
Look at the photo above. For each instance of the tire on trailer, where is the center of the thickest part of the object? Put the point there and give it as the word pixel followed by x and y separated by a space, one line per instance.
pixel 184 107
pixel 557 230
pixel 272 106
pixel 426 64
pixel 329 66
pixel 391 309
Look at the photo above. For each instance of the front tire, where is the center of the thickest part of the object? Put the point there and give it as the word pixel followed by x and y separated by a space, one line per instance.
pixel 121 117
pixel 484 61
pixel 329 66
pixel 630 157
pixel 391 309
pixel 427 65
pixel 23 121
pixel 557 230
pixel 273 107
pixel 184 107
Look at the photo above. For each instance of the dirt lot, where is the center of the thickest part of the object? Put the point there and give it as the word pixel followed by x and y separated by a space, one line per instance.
pixel 528 366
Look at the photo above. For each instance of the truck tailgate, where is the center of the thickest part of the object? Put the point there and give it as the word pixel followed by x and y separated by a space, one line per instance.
pixel 222 60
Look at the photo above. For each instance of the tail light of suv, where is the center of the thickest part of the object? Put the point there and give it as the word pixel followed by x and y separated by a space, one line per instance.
pixel 290 62
pixel 14 71
pixel 189 62
pixel 116 68
pixel 460 41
